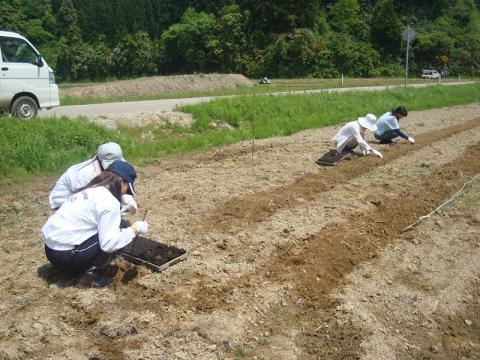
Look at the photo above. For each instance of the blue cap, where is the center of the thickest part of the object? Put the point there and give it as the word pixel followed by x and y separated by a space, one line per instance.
pixel 126 172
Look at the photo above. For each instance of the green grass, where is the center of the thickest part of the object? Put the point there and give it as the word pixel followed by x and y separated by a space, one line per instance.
pixel 284 115
pixel 470 199
pixel 49 146
pixel 42 147
pixel 241 352
pixel 278 85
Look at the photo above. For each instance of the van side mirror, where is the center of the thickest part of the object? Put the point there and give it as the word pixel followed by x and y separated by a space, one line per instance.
pixel 39 61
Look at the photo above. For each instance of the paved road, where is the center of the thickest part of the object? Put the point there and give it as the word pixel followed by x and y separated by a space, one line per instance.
pixel 135 107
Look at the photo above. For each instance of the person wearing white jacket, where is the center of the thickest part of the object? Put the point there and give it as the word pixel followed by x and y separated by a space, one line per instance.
pixel 353 134
pixel 81 174
pixel 82 233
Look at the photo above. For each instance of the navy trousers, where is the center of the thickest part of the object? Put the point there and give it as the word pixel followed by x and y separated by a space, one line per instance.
pixel 81 258
pixel 387 136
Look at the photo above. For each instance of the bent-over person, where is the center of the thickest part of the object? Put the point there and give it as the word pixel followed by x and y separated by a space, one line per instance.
pixel 388 126
pixel 83 233
pixel 353 134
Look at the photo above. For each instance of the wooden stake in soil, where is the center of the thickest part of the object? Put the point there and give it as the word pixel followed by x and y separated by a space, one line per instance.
pixel 253 119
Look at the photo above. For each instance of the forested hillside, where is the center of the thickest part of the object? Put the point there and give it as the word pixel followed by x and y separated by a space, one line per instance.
pixel 98 39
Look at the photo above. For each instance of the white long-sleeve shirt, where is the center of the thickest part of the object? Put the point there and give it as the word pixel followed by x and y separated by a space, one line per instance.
pixel 74 178
pixel 351 133
pixel 91 211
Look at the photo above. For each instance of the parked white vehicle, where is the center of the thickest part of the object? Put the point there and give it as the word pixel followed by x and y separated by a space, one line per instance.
pixel 430 74
pixel 27 83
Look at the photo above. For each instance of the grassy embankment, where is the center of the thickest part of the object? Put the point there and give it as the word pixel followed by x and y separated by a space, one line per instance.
pixel 49 146
pixel 278 85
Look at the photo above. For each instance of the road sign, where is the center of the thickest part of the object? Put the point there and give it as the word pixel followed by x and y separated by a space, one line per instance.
pixel 408 33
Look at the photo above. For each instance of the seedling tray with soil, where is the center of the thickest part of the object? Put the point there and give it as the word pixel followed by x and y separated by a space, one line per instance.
pixel 331 158
pixel 152 254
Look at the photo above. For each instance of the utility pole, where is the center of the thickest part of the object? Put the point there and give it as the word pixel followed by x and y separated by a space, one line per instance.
pixel 408 34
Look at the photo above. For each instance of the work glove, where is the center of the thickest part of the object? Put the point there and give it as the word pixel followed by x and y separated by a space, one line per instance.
pixel 140 227
pixel 131 207
pixel 411 140
pixel 377 153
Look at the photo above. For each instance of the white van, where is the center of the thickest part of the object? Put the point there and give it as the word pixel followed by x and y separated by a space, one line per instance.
pixel 27 83
pixel 430 74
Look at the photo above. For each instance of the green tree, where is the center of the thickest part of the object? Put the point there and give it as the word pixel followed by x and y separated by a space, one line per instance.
pixel 100 64
pixel 135 55
pixel 68 20
pixel 465 56
pixel 11 18
pixel 464 12
pixel 97 38
pixel 428 48
pixel 229 48
pixel 186 45
pixel 344 16
pixel 96 19
pixel 82 61
pixel 292 54
pixel 386 30
pixel 352 57
pixel 41 25
pixel 281 16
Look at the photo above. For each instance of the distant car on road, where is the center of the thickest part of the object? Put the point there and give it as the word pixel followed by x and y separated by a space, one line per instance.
pixel 430 74
pixel 27 83
pixel 265 81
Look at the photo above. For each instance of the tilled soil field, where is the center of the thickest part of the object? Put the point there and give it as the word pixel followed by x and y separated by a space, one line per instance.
pixel 154 85
pixel 286 260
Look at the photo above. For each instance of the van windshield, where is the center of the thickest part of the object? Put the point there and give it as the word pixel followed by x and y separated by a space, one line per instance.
pixel 17 50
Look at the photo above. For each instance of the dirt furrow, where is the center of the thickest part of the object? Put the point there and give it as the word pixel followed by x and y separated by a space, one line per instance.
pixel 414 298
pixel 317 264
pixel 236 213
pixel 279 235
pixel 207 294
pixel 207 298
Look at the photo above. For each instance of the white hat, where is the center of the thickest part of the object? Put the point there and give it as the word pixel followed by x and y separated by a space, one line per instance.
pixel 369 122
pixel 109 152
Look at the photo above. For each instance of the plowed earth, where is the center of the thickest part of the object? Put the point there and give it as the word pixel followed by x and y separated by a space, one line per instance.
pixel 287 260
pixel 156 85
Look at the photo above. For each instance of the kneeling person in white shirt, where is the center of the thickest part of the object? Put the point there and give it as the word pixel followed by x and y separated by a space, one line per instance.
pixel 353 134
pixel 81 174
pixel 83 232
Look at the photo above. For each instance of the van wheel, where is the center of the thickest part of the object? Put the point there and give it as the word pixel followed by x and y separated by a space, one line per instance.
pixel 25 108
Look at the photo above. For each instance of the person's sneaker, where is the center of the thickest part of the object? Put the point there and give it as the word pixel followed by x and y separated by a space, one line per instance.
pixel 91 279
pixel 387 142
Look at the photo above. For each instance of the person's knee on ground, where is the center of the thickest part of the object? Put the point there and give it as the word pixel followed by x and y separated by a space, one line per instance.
pixel 387 137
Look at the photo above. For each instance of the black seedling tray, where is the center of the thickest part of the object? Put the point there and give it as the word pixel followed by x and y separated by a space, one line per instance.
pixel 152 254
pixel 331 158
